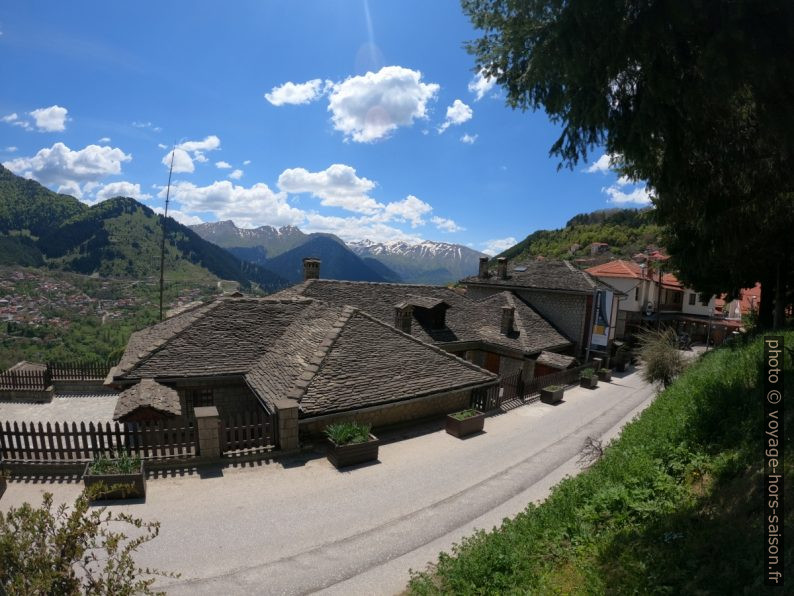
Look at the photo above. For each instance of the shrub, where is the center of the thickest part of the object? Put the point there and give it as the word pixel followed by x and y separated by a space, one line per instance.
pixel 345 433
pixel 554 387
pixel 587 373
pixel 57 551
pixel 464 414
pixel 663 360
pixel 123 463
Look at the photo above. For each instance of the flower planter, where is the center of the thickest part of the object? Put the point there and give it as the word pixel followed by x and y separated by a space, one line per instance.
pixel 604 374
pixel 467 426
pixel 353 453
pixel 551 396
pixel 132 486
pixel 589 382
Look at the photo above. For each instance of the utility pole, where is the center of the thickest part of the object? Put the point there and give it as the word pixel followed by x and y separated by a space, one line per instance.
pixel 165 218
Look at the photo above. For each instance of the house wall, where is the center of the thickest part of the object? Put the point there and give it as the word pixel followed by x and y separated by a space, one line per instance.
pixel 632 287
pixel 393 413
pixel 507 366
pixel 697 308
pixel 228 396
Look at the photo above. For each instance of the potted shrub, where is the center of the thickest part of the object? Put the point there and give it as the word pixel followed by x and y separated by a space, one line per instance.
pixel 552 394
pixel 350 443
pixel 604 374
pixel 465 422
pixel 588 379
pixel 121 477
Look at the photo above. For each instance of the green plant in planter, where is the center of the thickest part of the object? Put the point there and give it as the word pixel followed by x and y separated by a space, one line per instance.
pixel 554 387
pixel 587 373
pixel 346 433
pixel 123 463
pixel 465 414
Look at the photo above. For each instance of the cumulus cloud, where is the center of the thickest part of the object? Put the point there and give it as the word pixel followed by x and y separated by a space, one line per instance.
pixel 11 149
pixel 639 195
pixel 297 93
pixel 446 225
pixel 246 162
pixel 457 113
pixel 497 245
pixel 468 139
pixel 248 207
pixel 63 167
pixel 180 216
pixel 183 164
pixel 480 85
pixel 369 107
pixel 410 209
pixel 121 189
pixel 104 140
pixel 14 120
pixel 210 143
pixel 9 117
pixel 336 186
pixel 223 165
pixel 188 152
pixel 604 163
pixel 51 119
pixel 236 175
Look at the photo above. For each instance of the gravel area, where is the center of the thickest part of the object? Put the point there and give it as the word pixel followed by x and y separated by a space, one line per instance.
pixel 65 407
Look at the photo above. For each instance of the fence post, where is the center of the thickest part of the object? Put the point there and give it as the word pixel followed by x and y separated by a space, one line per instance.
pixel 208 431
pixel 287 416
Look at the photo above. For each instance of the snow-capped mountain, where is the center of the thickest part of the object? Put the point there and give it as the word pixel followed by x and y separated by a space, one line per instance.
pixel 425 262
pixel 275 240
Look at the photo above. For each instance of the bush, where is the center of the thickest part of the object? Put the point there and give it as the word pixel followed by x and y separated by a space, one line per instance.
pixel 123 463
pixel 58 551
pixel 465 414
pixel 663 360
pixel 345 433
pixel 587 373
pixel 554 387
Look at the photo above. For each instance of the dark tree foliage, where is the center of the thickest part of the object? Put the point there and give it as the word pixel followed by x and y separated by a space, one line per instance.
pixel 694 97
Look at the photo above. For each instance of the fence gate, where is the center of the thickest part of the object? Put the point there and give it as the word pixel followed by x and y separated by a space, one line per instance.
pixel 246 431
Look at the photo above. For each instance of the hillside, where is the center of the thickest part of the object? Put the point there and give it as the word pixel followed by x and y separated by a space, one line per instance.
pixel 626 231
pixel 274 241
pixel 118 237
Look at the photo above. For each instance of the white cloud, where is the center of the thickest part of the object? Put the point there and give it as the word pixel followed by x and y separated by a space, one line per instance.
pixel 336 186
pixel 147 125
pixel 446 225
pixel 121 189
pixel 104 140
pixel 200 157
pixel 61 166
pixel 9 117
pixel 297 93
pixel 223 165
pixel 497 245
pixel 181 160
pixel 246 162
pixel 604 163
pixel 71 188
pixel 162 146
pixel 52 119
pixel 14 120
pixel 480 85
pixel 410 209
pixel 210 143
pixel 236 175
pixel 11 149
pixel 468 139
pixel 457 113
pixel 180 216
pixel 369 107
pixel 248 207
pixel 639 195
pixel 623 181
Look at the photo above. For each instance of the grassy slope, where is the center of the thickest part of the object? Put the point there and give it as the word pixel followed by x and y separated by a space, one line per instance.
pixel 675 506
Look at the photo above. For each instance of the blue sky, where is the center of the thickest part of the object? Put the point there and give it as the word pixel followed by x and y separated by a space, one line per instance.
pixel 360 118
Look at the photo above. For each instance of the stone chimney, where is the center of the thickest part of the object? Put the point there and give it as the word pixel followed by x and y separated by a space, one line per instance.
pixel 508 317
pixel 501 267
pixel 403 315
pixel 311 268
pixel 483 273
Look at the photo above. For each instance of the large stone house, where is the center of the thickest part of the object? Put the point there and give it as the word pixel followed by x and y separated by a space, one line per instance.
pixel 328 361
pixel 579 305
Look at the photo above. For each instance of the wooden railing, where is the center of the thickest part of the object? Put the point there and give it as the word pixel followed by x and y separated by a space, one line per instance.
pixel 24 380
pixel 513 387
pixel 79 370
pixel 246 431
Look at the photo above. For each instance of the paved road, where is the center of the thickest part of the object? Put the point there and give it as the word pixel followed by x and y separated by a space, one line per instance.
pixel 302 526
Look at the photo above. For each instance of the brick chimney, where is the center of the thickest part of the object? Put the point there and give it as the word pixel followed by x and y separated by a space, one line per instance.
pixel 508 317
pixel 311 268
pixel 483 273
pixel 403 315
pixel 501 267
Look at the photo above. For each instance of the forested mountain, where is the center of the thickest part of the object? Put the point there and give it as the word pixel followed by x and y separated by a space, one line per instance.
pixel 118 237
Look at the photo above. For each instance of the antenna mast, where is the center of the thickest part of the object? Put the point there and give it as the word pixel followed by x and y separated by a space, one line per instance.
pixel 165 217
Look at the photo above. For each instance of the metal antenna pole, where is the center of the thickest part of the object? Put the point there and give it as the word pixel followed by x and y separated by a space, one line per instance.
pixel 165 217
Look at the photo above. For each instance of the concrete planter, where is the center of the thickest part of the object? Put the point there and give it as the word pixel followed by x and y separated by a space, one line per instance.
pixel 3 484
pixel 133 486
pixel 549 396
pixel 604 374
pixel 353 453
pixel 465 427
pixel 589 382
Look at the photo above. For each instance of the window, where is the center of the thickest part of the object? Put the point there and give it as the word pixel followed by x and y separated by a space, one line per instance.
pixel 197 397
pixel 637 293
pixel 692 298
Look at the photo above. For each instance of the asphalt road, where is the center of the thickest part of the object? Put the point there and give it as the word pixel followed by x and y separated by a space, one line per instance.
pixel 301 526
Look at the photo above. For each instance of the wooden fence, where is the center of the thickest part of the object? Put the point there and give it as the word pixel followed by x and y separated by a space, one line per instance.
pixel 247 431
pixel 76 443
pixel 24 380
pixel 513 387
pixel 40 380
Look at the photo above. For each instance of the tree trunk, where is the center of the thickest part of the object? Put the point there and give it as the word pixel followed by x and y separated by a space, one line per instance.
pixel 779 318
pixel 765 309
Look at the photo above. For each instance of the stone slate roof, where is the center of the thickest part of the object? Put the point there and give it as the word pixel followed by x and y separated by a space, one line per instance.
pixel 327 357
pixel 466 320
pixel 147 394
pixel 558 361
pixel 544 274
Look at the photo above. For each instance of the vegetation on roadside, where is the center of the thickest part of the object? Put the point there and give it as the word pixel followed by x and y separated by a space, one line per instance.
pixel 345 433
pixel 662 359
pixel 122 463
pixel 82 550
pixel 681 484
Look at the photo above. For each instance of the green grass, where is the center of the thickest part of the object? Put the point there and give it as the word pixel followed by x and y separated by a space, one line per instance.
pixel 345 433
pixel 675 506
pixel 123 463
pixel 464 414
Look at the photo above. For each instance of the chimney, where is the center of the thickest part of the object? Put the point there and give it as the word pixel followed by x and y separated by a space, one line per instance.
pixel 483 268
pixel 311 268
pixel 501 267
pixel 508 316
pixel 403 313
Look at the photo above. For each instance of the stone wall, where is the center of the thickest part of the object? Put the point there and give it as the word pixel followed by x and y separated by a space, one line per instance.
pixel 567 312
pixel 393 413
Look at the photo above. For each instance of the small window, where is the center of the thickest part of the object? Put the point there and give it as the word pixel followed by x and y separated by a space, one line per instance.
pixel 692 298
pixel 199 397
pixel 637 293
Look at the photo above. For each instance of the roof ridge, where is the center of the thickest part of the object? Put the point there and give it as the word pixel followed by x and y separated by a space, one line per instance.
pixel 428 345
pixel 304 379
